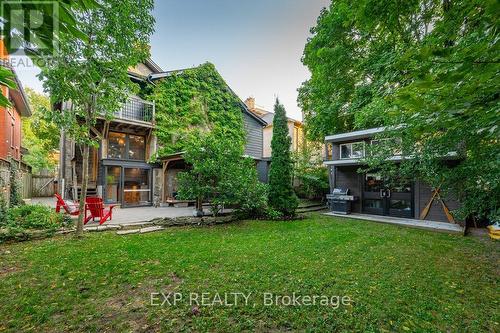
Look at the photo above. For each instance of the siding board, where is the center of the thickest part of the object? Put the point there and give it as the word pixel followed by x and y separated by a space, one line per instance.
pixel 253 146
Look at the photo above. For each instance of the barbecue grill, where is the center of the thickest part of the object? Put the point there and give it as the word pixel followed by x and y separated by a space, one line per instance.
pixel 340 201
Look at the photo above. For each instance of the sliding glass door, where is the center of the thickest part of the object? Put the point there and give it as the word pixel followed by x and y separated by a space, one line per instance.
pixel 129 186
pixel 136 187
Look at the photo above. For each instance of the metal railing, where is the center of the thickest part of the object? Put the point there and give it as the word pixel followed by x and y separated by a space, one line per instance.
pixel 136 109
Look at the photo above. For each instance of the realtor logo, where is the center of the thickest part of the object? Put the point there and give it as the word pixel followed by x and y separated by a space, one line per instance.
pixel 30 26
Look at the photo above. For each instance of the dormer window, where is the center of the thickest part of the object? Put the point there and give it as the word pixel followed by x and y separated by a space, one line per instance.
pixel 352 150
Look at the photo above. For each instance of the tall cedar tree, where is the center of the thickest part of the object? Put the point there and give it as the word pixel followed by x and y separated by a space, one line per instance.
pixel 281 195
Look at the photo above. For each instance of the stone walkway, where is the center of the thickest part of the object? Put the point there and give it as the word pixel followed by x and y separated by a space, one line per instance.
pixel 412 223
pixel 123 216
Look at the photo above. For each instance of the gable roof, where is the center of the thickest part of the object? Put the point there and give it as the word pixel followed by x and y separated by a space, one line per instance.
pixel 19 97
pixel 157 76
pixel 142 70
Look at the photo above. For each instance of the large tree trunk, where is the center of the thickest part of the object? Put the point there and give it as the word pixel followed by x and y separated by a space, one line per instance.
pixel 83 196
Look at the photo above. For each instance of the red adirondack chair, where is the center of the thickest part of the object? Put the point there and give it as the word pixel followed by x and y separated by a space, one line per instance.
pixel 95 206
pixel 71 207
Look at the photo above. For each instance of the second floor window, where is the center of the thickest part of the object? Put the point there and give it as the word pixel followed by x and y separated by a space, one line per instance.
pixel 352 150
pixel 126 146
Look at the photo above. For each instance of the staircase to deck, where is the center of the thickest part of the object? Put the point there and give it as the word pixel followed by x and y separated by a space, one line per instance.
pixel 91 192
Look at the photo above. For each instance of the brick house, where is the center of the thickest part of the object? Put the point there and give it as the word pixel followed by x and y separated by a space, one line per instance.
pixel 11 117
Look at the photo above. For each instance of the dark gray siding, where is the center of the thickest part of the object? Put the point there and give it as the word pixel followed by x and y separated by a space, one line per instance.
pixel 347 176
pixel 263 170
pixel 254 143
pixel 423 194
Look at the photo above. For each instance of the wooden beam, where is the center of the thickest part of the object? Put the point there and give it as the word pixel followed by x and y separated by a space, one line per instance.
pixel 164 182
pixel 96 132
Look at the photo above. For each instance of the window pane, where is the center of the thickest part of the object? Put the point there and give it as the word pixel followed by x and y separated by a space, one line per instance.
pixel 373 203
pixel 116 145
pixel 358 150
pixel 113 190
pixel 373 182
pixel 401 204
pixel 136 147
pixel 345 151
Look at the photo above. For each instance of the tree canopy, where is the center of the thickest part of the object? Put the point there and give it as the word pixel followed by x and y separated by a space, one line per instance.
pixel 430 65
pixel 38 39
pixel 220 174
pixel 40 136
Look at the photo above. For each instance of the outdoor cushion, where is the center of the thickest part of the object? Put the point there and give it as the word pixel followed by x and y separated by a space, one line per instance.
pixel 72 206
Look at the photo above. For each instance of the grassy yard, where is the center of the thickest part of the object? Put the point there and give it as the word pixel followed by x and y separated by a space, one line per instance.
pixel 398 279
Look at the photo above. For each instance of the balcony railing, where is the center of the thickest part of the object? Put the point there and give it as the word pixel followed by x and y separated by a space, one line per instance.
pixel 137 110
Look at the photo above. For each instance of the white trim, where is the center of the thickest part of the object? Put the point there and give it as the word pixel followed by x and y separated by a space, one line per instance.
pixel 354 135
pixel 359 161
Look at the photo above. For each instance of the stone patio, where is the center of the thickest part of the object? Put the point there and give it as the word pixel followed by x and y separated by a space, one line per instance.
pixel 126 216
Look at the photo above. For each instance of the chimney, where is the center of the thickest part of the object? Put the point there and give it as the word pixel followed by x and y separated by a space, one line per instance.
pixel 250 102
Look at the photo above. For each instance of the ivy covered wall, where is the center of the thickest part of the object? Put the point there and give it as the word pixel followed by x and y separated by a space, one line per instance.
pixel 193 101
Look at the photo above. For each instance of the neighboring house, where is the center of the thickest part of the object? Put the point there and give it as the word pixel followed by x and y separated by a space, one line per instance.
pixel 118 170
pixel 11 150
pixel 11 117
pixel 295 128
pixel 375 196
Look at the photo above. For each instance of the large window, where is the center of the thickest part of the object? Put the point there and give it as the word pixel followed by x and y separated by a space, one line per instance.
pixel 136 147
pixel 126 146
pixel 352 150
pixel 116 145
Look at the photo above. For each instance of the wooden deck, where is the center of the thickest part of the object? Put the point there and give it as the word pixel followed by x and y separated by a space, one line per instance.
pixel 412 223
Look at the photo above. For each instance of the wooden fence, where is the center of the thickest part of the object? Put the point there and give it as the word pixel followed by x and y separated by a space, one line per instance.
pixel 43 185
pixel 40 185
pixel 26 185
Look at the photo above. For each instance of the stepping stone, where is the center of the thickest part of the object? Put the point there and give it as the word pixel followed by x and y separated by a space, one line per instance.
pixel 127 232
pixel 150 229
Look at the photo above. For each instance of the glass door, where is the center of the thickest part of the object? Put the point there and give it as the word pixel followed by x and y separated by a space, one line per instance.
pixel 113 184
pixel 383 197
pixel 136 187
pixel 373 199
pixel 399 197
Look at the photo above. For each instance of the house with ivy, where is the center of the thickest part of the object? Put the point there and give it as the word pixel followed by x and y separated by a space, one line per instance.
pixel 140 150
pixel 192 101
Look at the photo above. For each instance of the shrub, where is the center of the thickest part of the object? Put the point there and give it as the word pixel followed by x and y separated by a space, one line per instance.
pixel 313 184
pixel 34 217
pixel 273 214
pixel 3 211
pixel 15 185
pixel 250 194
pixel 221 175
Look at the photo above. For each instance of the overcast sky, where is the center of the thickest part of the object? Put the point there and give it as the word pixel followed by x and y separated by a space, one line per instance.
pixel 255 44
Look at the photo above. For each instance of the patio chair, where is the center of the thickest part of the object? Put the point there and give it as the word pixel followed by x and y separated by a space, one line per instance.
pixel 95 207
pixel 71 207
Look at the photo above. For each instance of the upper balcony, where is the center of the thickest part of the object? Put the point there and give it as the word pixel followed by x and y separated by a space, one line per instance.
pixel 136 111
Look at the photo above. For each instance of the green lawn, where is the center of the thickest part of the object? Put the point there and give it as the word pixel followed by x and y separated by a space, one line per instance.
pixel 398 279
